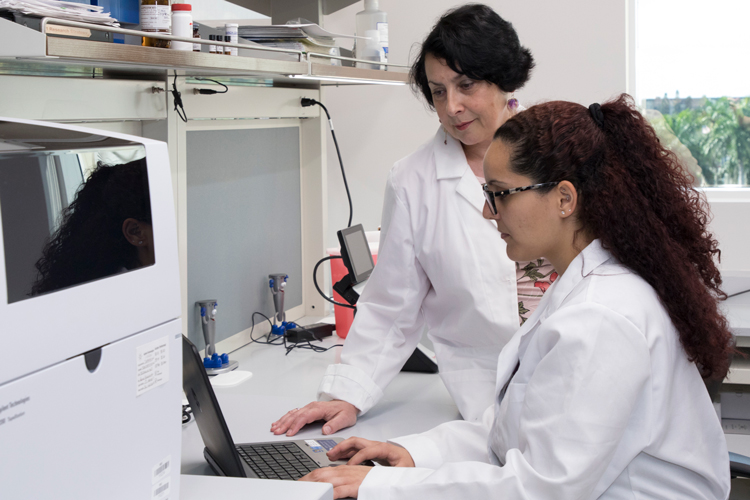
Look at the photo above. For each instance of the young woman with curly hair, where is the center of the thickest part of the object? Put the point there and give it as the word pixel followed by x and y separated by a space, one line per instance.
pixel 599 394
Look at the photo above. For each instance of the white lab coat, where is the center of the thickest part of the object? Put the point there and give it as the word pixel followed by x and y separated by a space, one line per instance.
pixel 604 405
pixel 440 265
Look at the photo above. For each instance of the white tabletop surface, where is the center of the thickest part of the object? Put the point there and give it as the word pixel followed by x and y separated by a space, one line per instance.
pixel 413 402
pixel 230 488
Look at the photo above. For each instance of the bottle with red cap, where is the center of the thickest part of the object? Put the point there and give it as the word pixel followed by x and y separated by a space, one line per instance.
pixel 182 25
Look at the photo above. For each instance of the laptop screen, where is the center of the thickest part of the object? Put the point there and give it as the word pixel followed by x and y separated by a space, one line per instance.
pixel 211 424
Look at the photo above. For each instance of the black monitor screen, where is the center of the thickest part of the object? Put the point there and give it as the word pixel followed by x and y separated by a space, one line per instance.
pixel 356 247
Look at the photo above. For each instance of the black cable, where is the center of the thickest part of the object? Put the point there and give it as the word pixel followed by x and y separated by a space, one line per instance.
pixel 315 282
pixel 211 91
pixel 186 412
pixel 309 102
pixel 281 339
pixel 178 100
pixel 306 102
pixel 305 344
pixel 258 341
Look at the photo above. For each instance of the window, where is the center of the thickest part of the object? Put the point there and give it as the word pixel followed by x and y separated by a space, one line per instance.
pixel 693 82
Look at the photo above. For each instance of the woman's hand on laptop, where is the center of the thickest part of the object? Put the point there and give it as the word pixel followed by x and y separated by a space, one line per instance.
pixel 346 479
pixel 337 414
pixel 359 450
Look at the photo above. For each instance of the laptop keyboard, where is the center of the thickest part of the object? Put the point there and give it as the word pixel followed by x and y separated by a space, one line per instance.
pixel 277 461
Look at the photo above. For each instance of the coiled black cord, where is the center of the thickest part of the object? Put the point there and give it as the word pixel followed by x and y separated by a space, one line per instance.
pixel 178 100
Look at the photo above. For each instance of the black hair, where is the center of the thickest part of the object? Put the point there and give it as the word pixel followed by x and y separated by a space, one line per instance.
pixel 476 42
pixel 89 243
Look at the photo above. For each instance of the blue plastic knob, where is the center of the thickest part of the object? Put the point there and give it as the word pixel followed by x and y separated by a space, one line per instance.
pixel 224 359
pixel 212 362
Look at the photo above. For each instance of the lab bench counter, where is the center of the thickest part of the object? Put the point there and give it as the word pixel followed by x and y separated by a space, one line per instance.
pixel 737 310
pixel 413 402
pixel 233 488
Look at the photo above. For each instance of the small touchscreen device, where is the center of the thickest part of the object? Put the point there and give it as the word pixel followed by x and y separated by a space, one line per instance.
pixel 356 253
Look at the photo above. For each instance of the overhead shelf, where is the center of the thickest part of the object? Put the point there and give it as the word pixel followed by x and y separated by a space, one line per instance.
pixel 120 55
pixel 280 67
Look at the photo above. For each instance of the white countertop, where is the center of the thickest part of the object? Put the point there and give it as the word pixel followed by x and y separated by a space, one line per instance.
pixel 413 402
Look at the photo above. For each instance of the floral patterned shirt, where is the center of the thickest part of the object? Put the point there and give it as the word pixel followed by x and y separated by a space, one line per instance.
pixel 532 280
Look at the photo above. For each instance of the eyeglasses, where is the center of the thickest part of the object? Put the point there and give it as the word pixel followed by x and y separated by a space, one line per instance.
pixel 491 196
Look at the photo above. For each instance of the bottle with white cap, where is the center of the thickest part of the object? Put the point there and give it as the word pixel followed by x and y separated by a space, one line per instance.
pixel 371 19
pixel 182 25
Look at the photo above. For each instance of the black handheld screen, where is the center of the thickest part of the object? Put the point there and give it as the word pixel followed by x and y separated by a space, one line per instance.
pixel 355 252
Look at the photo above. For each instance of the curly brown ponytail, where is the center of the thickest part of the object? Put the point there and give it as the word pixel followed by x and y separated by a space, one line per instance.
pixel 637 199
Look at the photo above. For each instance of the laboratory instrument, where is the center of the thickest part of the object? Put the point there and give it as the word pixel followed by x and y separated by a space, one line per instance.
pixel 214 363
pixel 90 400
pixel 277 283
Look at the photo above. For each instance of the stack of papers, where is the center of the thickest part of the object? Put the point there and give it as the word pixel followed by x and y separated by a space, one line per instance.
pixel 71 11
pixel 303 36
pixel 291 30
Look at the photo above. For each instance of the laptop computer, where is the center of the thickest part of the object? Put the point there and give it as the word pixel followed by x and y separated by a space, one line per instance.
pixel 287 460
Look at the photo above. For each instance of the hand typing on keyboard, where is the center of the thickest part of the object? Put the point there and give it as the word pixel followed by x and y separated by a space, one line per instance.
pixel 346 479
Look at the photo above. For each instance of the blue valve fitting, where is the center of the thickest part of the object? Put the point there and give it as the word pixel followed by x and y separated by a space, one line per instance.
pixel 212 362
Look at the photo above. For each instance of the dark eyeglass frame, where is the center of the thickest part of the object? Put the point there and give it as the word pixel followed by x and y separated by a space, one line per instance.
pixel 490 196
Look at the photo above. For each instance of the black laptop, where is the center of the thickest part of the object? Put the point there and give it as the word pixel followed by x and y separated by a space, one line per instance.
pixel 289 460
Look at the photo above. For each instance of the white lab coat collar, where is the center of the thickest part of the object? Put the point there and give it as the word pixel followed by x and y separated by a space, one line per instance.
pixel 593 256
pixel 450 163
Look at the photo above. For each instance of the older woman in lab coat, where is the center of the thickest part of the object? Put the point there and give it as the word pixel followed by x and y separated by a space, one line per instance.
pixel 599 394
pixel 437 263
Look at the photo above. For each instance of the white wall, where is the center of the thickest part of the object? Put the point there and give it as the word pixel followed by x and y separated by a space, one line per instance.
pixel 581 55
